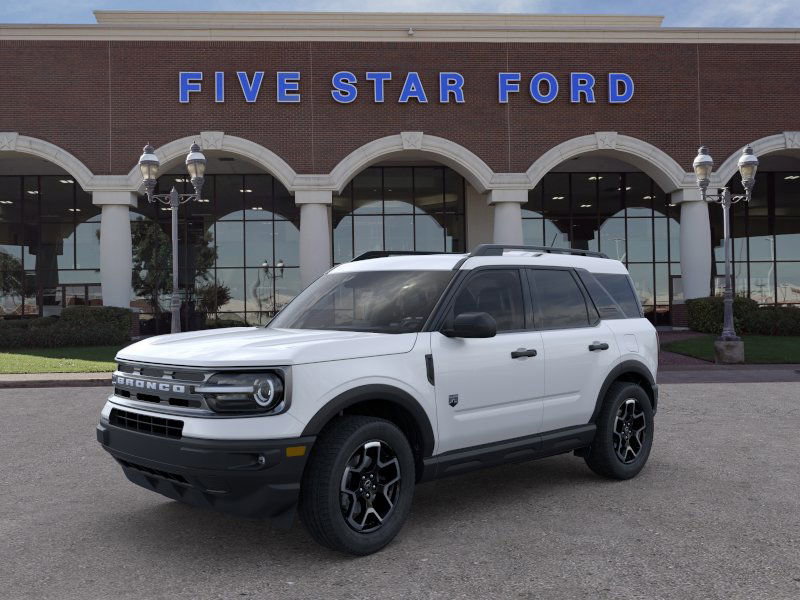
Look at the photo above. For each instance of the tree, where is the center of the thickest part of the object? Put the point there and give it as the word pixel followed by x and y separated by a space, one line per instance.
pixel 12 278
pixel 152 261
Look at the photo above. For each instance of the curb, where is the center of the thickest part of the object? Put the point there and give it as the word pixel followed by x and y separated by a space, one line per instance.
pixel 55 383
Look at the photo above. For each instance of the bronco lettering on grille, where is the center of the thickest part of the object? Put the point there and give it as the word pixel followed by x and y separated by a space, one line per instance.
pixel 148 385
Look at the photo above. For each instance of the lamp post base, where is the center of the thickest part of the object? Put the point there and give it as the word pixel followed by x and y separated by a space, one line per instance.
pixel 728 352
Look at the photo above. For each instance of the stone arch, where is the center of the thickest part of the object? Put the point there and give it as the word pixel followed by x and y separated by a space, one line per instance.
pixel 781 142
pixel 218 140
pixel 656 163
pixel 11 141
pixel 444 151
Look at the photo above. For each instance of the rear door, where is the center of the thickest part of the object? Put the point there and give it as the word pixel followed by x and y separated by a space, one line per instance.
pixel 579 348
pixel 489 389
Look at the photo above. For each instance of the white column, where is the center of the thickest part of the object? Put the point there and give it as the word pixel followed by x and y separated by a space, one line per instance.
pixel 315 233
pixel 508 215
pixel 695 243
pixel 116 256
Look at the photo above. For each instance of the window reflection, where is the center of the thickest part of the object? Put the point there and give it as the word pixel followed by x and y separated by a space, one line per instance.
pixel 49 246
pixel 624 215
pixel 399 208
pixel 236 248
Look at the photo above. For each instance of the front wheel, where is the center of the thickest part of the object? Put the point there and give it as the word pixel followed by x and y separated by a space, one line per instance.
pixel 624 433
pixel 357 489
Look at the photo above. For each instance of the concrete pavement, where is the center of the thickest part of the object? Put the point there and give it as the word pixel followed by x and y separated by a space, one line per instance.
pixel 715 514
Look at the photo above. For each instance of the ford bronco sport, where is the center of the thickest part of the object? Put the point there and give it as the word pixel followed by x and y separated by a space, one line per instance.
pixel 386 372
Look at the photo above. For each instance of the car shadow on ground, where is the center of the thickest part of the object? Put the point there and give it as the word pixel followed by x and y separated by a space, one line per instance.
pixel 165 525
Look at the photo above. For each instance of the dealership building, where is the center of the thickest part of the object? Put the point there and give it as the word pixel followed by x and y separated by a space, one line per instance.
pixel 328 135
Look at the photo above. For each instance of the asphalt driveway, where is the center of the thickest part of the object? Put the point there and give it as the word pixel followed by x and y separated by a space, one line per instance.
pixel 715 514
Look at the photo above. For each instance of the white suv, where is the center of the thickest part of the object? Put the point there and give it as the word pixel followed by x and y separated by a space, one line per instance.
pixel 386 372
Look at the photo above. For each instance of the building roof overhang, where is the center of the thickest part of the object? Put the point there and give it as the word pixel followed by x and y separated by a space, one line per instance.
pixel 389 27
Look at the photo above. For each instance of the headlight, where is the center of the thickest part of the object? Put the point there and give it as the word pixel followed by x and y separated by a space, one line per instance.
pixel 244 392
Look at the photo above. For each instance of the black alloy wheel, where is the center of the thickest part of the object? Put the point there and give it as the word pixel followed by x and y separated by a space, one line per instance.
pixel 370 486
pixel 624 433
pixel 630 429
pixel 357 489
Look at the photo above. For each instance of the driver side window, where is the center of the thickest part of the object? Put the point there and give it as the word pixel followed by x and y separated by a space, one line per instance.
pixel 497 292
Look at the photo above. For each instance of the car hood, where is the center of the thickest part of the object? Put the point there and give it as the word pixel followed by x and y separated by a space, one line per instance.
pixel 257 346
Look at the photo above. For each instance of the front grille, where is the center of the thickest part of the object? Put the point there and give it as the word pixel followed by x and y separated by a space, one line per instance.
pixel 169 428
pixel 161 386
pixel 157 472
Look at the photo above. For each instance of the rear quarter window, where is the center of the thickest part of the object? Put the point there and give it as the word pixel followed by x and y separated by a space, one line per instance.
pixel 618 286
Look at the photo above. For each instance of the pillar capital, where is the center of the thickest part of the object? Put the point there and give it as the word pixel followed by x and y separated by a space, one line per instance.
pixel 313 196
pixel 682 195
pixel 115 197
pixel 498 196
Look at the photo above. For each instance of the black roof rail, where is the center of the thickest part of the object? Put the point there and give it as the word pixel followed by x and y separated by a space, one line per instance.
pixel 497 250
pixel 384 253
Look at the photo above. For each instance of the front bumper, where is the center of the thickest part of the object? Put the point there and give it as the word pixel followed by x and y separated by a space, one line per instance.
pixel 250 478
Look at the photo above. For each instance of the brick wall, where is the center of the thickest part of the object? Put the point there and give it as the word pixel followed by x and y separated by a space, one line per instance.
pixel 102 101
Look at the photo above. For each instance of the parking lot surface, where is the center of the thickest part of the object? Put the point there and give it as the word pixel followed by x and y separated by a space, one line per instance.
pixel 715 514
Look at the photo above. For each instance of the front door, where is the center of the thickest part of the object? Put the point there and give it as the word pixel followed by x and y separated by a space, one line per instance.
pixel 483 393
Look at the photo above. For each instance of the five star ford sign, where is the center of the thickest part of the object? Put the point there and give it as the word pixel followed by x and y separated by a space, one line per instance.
pixel 543 87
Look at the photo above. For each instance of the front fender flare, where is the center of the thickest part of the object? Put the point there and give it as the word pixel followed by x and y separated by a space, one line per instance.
pixel 375 392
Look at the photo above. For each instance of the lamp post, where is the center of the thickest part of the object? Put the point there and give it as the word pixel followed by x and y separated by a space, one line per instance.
pixel 196 165
pixel 703 165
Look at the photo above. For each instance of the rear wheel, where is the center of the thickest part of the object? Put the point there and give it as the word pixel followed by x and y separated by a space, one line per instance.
pixel 624 433
pixel 357 489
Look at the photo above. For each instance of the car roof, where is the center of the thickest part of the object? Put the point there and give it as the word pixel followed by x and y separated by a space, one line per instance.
pixel 448 262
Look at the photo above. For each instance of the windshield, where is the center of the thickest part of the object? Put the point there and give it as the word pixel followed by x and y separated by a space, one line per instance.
pixel 376 301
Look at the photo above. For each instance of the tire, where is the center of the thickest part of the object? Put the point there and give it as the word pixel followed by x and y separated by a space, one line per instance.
pixel 347 456
pixel 626 408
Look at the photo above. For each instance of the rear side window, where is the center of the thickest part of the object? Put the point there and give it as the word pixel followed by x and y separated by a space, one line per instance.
pixel 620 288
pixel 558 300
pixel 606 305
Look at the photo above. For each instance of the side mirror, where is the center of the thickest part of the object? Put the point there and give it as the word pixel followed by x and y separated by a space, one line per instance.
pixel 472 325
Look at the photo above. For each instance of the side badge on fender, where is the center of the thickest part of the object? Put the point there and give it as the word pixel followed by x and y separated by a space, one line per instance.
pixel 452 400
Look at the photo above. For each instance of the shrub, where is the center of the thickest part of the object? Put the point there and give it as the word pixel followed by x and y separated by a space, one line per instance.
pixel 77 326
pixel 706 315
pixel 782 320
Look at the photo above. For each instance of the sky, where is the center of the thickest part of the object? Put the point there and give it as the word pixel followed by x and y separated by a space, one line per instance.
pixel 678 13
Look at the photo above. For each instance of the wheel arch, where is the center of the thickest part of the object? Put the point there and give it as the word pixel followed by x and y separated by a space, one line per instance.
pixel 384 401
pixel 634 372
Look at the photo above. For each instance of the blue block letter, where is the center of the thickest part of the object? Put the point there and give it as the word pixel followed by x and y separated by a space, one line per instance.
pixel 451 83
pixel 288 86
pixel 219 86
pixel 507 83
pixel 536 88
pixel 344 89
pixel 615 96
pixel 378 77
pixel 250 90
pixel 188 81
pixel 581 83
pixel 412 88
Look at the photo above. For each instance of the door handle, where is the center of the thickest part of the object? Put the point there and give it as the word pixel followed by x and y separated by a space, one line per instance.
pixel 522 352
pixel 598 346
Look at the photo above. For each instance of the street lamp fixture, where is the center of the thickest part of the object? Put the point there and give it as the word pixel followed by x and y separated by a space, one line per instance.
pixel 748 165
pixel 196 166
pixel 277 270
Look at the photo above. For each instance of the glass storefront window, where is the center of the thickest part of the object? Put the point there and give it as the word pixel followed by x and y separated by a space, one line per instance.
pixel 237 248
pixel 399 208
pixel 49 245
